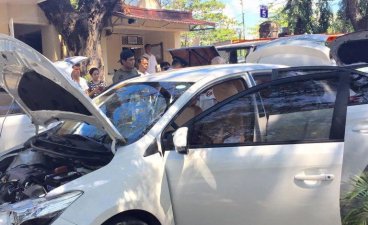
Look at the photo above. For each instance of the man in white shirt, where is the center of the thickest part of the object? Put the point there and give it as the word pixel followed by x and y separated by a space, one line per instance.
pixel 143 66
pixel 76 77
pixel 152 62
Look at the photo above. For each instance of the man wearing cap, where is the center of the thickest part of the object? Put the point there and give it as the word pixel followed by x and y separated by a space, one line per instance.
pixel 127 70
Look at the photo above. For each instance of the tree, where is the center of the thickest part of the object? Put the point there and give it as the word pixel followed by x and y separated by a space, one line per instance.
pixel 324 16
pixel 356 12
pixel 209 10
pixel 299 15
pixel 340 24
pixel 80 23
pixel 306 16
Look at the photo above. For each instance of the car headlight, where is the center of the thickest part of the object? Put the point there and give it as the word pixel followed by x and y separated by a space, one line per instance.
pixel 37 211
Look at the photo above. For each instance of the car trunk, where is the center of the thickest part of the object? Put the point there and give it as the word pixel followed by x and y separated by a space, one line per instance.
pixel 351 48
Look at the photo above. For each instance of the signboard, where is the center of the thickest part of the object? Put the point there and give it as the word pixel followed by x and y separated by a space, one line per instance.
pixel 263 12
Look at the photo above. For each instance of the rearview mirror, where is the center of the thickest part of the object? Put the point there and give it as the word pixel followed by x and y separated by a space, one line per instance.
pixel 180 139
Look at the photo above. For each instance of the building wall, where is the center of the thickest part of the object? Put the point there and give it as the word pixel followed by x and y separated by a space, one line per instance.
pixel 51 43
pixel 113 45
pixel 28 13
pixel 4 19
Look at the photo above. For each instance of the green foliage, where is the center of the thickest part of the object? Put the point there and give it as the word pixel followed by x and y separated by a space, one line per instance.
pixel 304 16
pixel 299 14
pixel 340 25
pixel 355 203
pixel 324 16
pixel 343 21
pixel 74 3
pixel 208 10
pixel 278 15
pixel 361 4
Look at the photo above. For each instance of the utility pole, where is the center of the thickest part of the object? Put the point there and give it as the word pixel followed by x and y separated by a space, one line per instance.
pixel 243 23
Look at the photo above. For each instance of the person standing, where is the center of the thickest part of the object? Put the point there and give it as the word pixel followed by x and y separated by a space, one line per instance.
pixel 208 99
pixel 96 85
pixel 177 63
pixel 217 60
pixel 127 70
pixel 152 62
pixel 76 77
pixel 143 66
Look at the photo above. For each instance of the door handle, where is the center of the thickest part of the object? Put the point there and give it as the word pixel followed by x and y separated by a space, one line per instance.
pixel 320 177
pixel 361 128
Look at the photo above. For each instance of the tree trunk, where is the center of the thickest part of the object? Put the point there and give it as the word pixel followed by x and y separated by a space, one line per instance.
pixel 358 20
pixel 80 28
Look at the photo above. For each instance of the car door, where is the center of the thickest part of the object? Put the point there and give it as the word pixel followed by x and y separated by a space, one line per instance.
pixel 355 160
pixel 289 173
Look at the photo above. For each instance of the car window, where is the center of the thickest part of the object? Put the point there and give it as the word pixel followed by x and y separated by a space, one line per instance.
pixel 210 97
pixel 7 105
pixel 205 100
pixel 287 112
pixel 358 89
pixel 133 109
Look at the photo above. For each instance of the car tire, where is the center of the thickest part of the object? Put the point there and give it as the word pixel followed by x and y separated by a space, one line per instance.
pixel 128 221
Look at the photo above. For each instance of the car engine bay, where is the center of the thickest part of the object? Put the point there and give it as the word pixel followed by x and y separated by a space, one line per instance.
pixel 48 161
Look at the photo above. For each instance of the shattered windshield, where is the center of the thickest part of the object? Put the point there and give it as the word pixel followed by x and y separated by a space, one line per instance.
pixel 133 109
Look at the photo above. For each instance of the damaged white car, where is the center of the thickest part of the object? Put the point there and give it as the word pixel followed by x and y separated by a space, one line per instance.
pixel 224 144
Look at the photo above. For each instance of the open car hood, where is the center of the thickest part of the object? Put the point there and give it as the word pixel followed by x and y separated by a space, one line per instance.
pixel 350 48
pixel 195 56
pixel 43 91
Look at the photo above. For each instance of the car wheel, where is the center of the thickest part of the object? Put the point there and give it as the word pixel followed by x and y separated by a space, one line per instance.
pixel 128 221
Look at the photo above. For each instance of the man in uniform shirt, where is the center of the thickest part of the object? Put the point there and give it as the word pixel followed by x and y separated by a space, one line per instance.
pixel 127 70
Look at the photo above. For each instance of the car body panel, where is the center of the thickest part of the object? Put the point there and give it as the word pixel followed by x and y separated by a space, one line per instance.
pixel 209 183
pixel 356 132
pixel 248 181
pixel 19 124
pixel 147 190
pixel 303 54
pixel 298 50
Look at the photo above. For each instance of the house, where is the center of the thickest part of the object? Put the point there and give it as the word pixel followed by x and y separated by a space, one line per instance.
pixel 130 26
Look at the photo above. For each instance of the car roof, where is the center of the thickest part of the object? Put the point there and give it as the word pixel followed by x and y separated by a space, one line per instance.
pixel 194 74
pixel 297 40
pixel 243 45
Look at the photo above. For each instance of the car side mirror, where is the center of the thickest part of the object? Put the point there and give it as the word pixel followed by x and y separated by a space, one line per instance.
pixel 180 139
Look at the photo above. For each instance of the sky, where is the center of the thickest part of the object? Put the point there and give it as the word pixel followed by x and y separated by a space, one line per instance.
pixel 251 10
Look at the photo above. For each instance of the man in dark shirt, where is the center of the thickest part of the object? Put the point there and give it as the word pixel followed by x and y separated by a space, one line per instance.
pixel 127 70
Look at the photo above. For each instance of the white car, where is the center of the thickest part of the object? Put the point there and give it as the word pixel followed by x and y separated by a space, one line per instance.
pixel 298 50
pixel 225 144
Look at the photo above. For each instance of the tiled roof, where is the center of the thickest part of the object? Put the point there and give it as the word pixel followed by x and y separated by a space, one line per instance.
pixel 170 16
